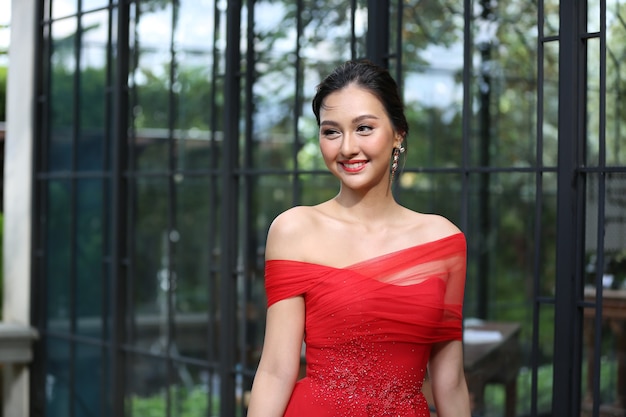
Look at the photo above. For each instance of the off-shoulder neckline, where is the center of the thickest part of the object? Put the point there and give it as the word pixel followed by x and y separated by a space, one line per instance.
pixel 374 258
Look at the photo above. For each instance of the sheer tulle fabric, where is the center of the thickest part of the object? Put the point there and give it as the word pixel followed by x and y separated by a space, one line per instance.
pixel 370 326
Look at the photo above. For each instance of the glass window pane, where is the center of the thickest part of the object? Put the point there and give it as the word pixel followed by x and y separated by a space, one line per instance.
pixel 433 93
pixel 550 114
pixel 615 228
pixel 194 88
pixel 62 105
pixel 87 5
pixel 592 275
pixel 191 237
pixel 607 366
pixel 195 391
pixel 593 15
pixel 195 394
pixel 605 267
pixel 152 149
pixel 317 188
pixel 149 281
pixel 547 239
pixel 511 226
pixel 326 30
pixel 545 358
pixel 91 285
pixel 93 92
pixel 309 156
pixel 274 89
pixel 505 56
pixel 62 8
pixel 90 366
pixel 430 193
pixel 279 81
pixel 551 17
pixel 151 112
pixel 59 255
pixel 613 269
pixel 146 386
pixel 594 95
pixel 615 86
pixel 193 262
pixel 273 194
pixel 57 381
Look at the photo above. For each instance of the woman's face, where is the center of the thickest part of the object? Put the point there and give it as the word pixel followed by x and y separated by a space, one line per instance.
pixel 356 137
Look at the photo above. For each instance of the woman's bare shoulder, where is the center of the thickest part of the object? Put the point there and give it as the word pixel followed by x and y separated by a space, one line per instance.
pixel 431 227
pixel 287 235
pixel 294 221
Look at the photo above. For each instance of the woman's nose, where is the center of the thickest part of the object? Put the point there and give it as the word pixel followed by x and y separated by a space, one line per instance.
pixel 349 145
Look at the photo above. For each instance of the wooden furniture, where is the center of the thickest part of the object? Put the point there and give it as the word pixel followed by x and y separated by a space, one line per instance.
pixel 613 315
pixel 493 362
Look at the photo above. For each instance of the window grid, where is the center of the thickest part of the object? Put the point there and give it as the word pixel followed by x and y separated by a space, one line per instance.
pixel 233 188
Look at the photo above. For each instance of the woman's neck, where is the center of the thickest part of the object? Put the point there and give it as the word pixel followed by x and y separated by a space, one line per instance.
pixel 372 207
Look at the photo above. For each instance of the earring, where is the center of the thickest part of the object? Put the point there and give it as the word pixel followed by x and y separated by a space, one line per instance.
pixel 394 163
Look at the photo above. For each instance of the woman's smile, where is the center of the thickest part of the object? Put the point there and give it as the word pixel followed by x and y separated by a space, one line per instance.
pixel 353 166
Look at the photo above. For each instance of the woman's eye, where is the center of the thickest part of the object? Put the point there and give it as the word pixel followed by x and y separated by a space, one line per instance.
pixel 330 133
pixel 364 129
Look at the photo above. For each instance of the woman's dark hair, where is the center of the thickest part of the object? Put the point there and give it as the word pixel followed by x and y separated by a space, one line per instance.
pixel 371 77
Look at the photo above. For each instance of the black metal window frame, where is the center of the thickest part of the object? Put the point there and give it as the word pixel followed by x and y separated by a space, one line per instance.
pixel 571 171
pixel 575 175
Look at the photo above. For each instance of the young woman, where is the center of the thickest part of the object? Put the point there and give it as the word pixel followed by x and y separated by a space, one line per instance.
pixel 374 289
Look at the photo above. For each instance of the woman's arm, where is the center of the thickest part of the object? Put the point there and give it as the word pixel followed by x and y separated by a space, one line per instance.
pixel 284 329
pixel 448 380
pixel 280 360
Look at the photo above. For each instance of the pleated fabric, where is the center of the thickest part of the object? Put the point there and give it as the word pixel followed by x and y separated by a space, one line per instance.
pixel 369 327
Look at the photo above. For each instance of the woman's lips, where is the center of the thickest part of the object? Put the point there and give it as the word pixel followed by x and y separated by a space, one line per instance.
pixel 353 166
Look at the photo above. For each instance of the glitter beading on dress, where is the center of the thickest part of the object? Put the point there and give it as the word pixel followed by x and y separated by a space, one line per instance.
pixel 369 327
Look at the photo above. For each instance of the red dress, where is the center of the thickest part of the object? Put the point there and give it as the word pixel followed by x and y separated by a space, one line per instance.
pixel 369 327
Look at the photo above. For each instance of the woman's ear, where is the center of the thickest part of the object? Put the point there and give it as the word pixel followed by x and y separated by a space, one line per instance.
pixel 398 140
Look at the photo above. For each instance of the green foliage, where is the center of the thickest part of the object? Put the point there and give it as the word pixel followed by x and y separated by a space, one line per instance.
pixel 191 98
pixel 92 92
pixel 495 395
pixel 192 402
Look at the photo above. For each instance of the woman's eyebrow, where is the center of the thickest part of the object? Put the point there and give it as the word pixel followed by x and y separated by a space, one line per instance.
pixel 328 123
pixel 363 117
pixel 354 121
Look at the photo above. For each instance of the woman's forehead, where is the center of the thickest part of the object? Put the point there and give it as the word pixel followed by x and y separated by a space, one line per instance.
pixel 352 99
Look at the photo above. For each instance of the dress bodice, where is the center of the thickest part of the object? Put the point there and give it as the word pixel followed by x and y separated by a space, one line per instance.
pixel 369 327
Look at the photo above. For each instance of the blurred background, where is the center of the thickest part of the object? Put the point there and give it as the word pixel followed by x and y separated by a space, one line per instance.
pixel 150 144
